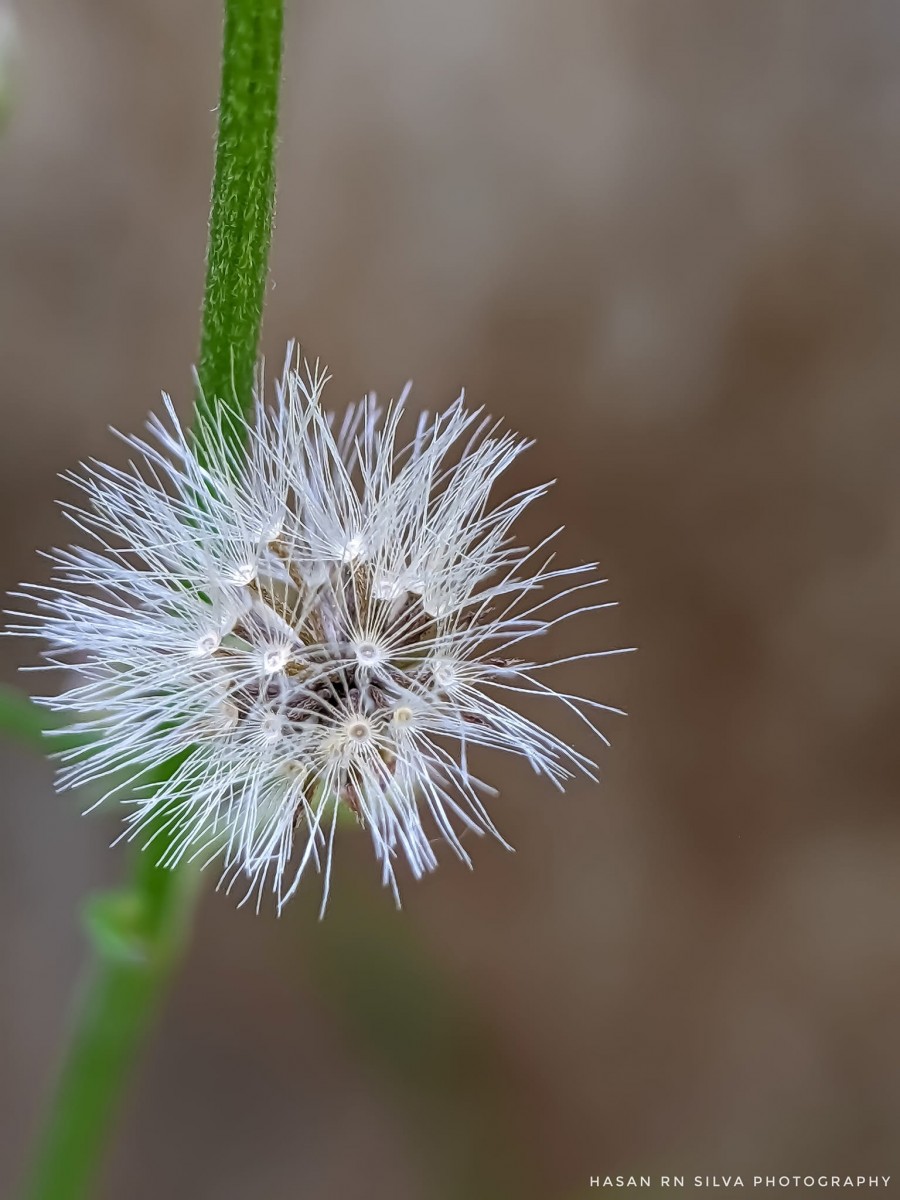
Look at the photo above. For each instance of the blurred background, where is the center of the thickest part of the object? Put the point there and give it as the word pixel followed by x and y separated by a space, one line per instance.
pixel 663 239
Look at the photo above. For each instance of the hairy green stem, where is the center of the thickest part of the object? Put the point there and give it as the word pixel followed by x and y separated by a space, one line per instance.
pixel 138 933
pixel 242 207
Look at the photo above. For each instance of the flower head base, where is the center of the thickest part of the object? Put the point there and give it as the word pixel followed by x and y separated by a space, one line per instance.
pixel 323 623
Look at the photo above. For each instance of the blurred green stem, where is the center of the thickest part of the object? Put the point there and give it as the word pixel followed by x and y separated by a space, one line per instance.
pixel 30 725
pixel 138 933
pixel 22 719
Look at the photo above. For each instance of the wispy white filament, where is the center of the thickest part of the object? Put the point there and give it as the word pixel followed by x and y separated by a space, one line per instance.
pixel 330 619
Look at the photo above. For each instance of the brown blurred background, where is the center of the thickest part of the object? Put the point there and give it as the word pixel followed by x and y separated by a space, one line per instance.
pixel 663 238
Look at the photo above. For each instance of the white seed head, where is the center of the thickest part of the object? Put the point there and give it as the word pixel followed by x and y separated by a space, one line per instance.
pixel 354 548
pixel 244 573
pixel 437 605
pixel 276 659
pixel 223 718
pixel 348 598
pixel 387 586
pixel 445 675
pixel 368 654
pixel 273 727
pixel 206 645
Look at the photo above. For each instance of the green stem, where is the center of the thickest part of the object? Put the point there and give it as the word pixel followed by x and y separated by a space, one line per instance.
pixel 25 721
pixel 243 202
pixel 138 936
pixel 138 933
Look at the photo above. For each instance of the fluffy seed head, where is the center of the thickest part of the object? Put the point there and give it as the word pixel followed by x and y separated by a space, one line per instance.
pixel 328 622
